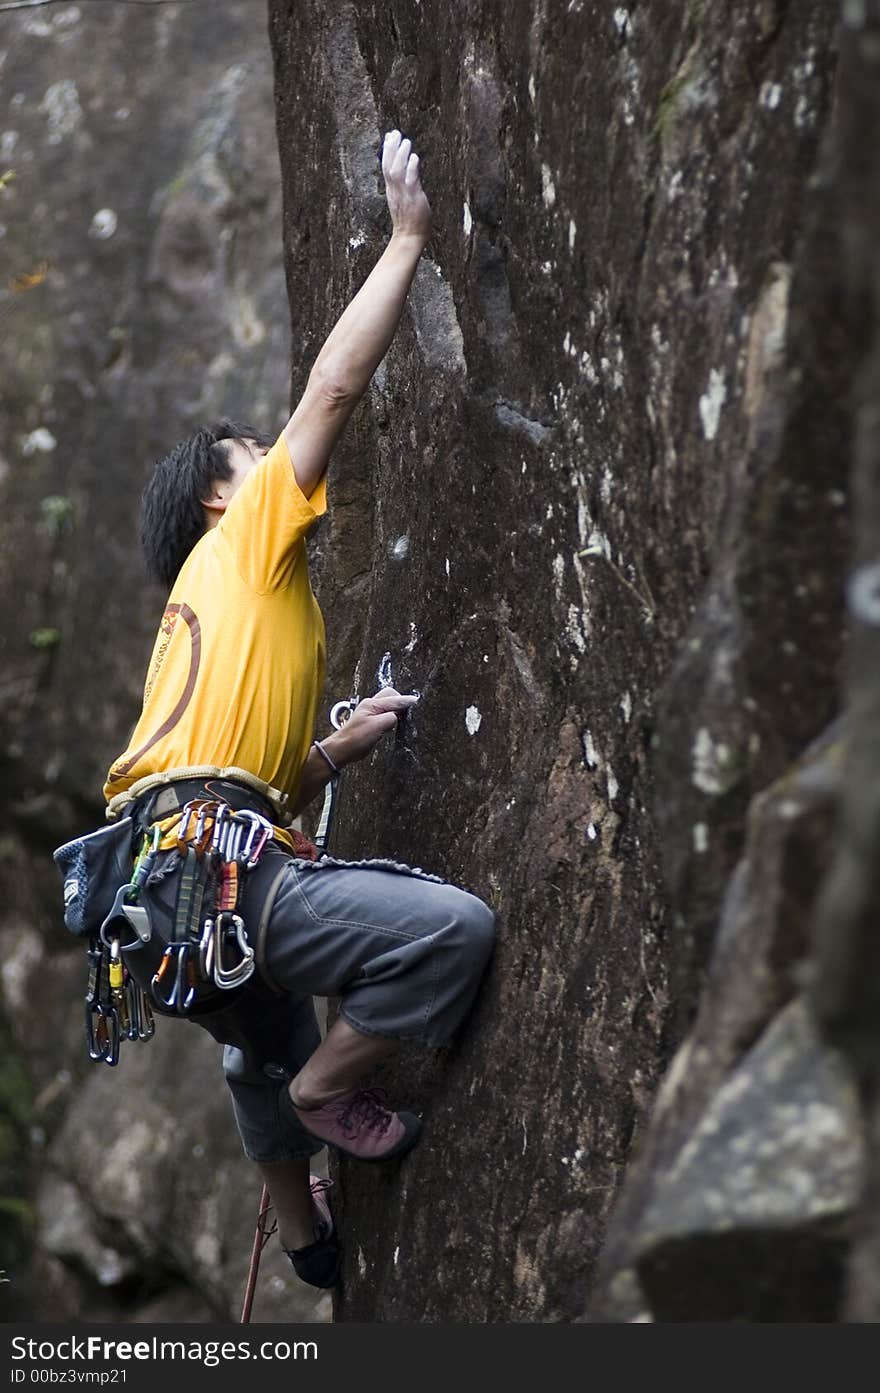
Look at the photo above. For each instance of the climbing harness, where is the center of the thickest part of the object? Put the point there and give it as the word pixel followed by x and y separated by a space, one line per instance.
pixel 208 954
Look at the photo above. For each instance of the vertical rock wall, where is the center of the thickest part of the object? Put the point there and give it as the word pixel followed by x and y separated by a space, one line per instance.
pixel 594 510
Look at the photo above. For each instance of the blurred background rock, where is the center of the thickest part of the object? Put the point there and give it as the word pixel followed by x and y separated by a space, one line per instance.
pixel 144 218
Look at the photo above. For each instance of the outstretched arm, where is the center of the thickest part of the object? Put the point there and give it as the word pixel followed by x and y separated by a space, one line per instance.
pixel 361 337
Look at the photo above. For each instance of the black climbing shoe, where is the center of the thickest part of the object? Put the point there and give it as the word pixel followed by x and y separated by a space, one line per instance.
pixel 319 1262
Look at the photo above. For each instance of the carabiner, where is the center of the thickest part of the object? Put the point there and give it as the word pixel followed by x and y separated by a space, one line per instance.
pixel 225 976
pixel 102 1033
pixel 96 1031
pixel 221 822
pixel 206 950
pixel 146 1024
pixel 248 855
pixel 341 711
pixel 132 999
pixel 183 990
pixel 186 816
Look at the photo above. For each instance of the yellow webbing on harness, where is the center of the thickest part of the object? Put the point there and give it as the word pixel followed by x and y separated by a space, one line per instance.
pixel 273 796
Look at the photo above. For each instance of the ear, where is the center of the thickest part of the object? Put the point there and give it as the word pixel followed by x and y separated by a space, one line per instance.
pixel 216 503
pixel 217 500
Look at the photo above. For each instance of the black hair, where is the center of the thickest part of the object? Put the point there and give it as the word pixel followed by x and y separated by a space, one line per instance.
pixel 172 515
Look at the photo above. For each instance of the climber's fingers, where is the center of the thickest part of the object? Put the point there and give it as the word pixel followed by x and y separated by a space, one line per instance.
pixel 401 155
pixel 407 203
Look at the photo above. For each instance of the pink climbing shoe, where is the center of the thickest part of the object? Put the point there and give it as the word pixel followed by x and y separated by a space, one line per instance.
pixel 358 1123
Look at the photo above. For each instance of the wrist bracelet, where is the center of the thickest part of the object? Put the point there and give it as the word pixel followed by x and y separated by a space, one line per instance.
pixel 318 746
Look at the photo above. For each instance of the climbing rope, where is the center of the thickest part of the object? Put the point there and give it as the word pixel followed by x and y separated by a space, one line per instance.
pixel 261 1238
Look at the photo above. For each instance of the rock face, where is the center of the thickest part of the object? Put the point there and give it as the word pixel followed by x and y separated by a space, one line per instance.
pixel 594 509
pixel 144 215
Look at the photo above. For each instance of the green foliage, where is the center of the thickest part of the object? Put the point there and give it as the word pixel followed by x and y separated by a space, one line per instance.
pixel 18 1211
pixel 45 638
pixel 57 513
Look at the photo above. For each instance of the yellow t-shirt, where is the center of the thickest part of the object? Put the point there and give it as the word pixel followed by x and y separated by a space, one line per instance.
pixel 238 664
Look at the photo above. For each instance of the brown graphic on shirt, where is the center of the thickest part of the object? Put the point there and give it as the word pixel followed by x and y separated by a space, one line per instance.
pixel 169 619
pixel 166 630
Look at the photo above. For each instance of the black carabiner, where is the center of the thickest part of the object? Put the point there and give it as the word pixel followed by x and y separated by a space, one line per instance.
pixel 102 1033
pixel 182 993
pixel 112 1016
pixel 96 1031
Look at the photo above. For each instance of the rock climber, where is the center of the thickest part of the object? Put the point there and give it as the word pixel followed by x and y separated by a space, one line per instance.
pixel 229 714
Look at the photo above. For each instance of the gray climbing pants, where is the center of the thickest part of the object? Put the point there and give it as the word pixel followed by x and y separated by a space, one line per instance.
pixel 403 951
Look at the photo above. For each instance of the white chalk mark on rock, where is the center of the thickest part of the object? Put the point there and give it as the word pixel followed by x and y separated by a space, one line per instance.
pixel 383 672
pixel 591 754
pixel 400 548
pixel 711 403
pixel 473 720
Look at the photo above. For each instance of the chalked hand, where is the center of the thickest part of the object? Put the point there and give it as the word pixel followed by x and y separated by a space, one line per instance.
pixel 409 208
pixel 369 721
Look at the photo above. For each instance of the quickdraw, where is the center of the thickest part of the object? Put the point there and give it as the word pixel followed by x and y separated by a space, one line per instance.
pixel 339 714
pixel 116 1008
pixel 102 1021
pixel 210 951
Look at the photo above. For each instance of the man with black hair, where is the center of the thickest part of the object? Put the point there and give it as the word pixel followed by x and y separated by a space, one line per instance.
pixel 229 712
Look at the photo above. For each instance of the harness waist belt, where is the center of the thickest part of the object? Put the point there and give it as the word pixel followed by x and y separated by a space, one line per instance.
pixel 172 797
pixel 200 774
